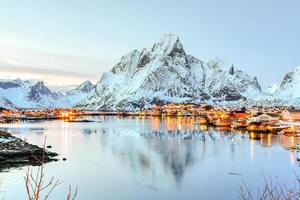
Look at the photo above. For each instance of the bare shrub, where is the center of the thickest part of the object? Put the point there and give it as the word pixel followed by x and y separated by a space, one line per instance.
pixel 37 187
pixel 271 190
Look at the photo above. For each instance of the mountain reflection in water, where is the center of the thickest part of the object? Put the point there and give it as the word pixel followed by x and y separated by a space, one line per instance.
pixel 154 158
pixel 173 144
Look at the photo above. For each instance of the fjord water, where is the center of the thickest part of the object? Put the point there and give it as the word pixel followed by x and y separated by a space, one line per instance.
pixel 152 158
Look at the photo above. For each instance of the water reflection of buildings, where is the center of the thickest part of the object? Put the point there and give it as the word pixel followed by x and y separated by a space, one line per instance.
pixel 186 126
pixel 66 138
pixel 173 123
pixel 164 148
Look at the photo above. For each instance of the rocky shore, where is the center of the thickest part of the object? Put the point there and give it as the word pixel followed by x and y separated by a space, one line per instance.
pixel 15 152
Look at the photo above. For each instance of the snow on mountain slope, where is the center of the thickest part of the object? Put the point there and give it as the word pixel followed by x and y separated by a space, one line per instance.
pixel 14 90
pixel 290 86
pixel 165 73
pixel 84 87
pixel 5 103
pixel 30 94
pixel 271 89
pixel 75 95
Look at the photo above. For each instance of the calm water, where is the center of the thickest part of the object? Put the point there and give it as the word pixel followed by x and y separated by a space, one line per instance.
pixel 151 158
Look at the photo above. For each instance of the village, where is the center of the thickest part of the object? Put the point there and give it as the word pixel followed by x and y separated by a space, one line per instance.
pixel 280 120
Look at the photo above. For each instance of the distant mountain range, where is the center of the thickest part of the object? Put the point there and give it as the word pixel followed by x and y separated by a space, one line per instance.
pixel 164 73
pixel 30 94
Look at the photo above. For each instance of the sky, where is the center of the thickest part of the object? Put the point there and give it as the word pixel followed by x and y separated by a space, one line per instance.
pixel 65 42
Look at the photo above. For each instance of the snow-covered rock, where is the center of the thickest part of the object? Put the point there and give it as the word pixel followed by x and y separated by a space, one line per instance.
pixel 165 73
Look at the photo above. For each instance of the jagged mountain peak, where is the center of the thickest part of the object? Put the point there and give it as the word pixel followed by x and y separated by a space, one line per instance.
pixel 169 38
pixel 170 45
pixel 290 85
pixel 291 76
pixel 167 51
pixel 40 87
pixel 165 73
pixel 40 84
pixel 38 90
pixel 167 41
pixel 84 87
pixel 87 82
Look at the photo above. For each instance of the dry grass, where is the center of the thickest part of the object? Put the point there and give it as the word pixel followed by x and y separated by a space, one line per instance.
pixel 37 187
pixel 271 190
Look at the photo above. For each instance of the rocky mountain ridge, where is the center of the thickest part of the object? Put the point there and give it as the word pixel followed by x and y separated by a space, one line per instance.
pixel 166 73
pixel 35 94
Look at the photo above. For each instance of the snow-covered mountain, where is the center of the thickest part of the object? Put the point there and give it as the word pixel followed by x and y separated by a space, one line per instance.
pixel 32 94
pixel 41 95
pixel 75 95
pixel 165 73
pixel 289 88
pixel 84 87
pixel 290 85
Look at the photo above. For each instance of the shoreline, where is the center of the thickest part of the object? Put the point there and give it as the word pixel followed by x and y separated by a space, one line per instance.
pixel 15 152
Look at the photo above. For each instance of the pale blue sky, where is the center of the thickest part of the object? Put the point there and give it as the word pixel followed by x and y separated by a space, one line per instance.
pixel 68 41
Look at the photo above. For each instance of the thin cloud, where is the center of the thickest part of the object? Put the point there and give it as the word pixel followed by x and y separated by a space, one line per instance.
pixel 15 67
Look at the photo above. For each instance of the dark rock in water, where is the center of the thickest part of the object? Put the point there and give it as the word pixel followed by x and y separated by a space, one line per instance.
pixel 234 173
pixel 15 152
pixel 64 159
pixel 49 146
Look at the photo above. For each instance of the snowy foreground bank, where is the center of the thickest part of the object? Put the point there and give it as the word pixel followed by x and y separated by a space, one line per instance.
pixel 15 152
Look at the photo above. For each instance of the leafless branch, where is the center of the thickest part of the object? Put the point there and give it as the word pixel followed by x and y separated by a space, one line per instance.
pixel 271 190
pixel 35 183
pixel 70 197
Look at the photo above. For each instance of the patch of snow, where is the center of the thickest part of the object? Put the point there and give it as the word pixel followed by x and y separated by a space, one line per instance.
pixel 6 140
